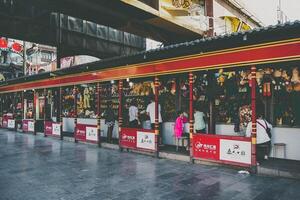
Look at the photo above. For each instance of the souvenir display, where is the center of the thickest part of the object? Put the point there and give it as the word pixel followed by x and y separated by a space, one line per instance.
pixel 68 109
pixel 109 93
pixel 28 104
pixel 139 92
pixel 86 101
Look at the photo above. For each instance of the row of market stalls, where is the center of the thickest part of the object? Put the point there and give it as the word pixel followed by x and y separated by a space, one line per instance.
pixel 228 78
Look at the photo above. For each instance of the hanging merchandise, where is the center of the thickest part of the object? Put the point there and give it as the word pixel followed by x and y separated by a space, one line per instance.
pixel 295 79
pixel 259 79
pixel 267 80
pixel 3 44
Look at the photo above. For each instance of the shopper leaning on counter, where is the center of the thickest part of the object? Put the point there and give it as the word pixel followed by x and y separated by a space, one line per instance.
pixel 263 142
pixel 133 115
pixel 199 124
pixel 151 113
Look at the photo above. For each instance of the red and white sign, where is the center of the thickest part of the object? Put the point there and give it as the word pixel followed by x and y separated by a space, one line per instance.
pixel 206 147
pixel 87 133
pixel 235 151
pixel 146 140
pixel 48 128
pixel 80 132
pixel 56 129
pixel 11 123
pixel 91 134
pixel 225 149
pixel 28 125
pixel 128 138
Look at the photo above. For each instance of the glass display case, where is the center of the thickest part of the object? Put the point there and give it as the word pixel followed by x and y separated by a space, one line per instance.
pixel 68 108
pixel 86 99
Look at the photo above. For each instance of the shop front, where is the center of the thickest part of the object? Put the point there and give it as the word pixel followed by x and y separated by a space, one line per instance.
pixel 29 115
pixel 195 98
pixel 52 125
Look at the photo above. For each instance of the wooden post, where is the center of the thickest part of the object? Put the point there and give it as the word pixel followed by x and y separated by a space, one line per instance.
pixel 22 108
pixel 253 119
pixel 156 125
pixel 120 119
pixel 34 111
pixel 191 120
pixel 98 103
pixel 75 112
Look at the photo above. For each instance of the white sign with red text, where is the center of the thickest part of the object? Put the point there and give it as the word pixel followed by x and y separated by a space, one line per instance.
pixel 56 129
pixel 91 133
pixel 235 151
pixel 145 140
pixel 11 123
pixel 30 126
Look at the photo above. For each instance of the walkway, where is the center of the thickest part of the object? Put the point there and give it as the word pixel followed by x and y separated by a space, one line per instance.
pixel 34 167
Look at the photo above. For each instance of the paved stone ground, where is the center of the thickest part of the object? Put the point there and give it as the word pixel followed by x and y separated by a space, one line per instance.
pixel 33 167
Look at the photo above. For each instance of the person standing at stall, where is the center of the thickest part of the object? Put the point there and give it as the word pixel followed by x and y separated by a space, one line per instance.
pixel 133 114
pixel 263 129
pixel 109 117
pixel 151 113
pixel 199 124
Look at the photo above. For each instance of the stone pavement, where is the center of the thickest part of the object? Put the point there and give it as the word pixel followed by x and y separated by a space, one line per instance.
pixel 34 167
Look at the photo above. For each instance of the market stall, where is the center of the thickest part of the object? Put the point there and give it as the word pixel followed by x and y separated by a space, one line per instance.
pixel 28 122
pixel 109 94
pixel 86 98
pixel 52 126
pixel 136 132
pixel 68 110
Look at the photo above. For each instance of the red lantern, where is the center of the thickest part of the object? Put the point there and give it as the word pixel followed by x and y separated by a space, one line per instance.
pixel 3 43
pixel 16 47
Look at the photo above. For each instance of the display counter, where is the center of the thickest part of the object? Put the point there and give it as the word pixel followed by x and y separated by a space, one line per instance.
pixel 68 124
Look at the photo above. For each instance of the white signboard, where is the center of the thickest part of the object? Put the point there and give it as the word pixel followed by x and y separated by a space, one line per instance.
pixel 235 151
pixel 56 129
pixel 91 134
pixel 30 126
pixel 11 123
pixel 146 140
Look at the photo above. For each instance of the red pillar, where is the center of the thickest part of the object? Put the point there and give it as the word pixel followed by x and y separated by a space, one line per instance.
pixel 75 110
pixel 98 103
pixel 45 103
pixel 120 118
pixel 156 125
pixel 191 120
pixel 34 111
pixel 253 120
pixel 60 114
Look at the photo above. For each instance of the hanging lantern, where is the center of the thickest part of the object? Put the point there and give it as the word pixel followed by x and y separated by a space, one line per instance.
pixel 3 43
pixel 16 47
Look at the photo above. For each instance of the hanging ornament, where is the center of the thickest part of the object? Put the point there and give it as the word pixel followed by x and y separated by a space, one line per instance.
pixel 3 44
pixel 16 47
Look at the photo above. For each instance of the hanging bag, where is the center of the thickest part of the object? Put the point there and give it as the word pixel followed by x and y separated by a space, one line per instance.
pixel 268 130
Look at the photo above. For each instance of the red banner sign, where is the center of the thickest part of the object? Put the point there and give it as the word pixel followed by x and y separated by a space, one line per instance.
pixel 80 132
pixel 48 128
pixel 225 149
pixel 86 133
pixel 206 147
pixel 128 138
pixel 28 125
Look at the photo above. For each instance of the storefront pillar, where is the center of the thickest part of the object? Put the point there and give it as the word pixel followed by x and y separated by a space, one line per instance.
pixel 191 115
pixel 34 110
pixel 156 125
pixel 45 110
pixel 14 107
pixel 253 120
pixel 120 118
pixel 75 110
pixel 59 113
pixel 98 103
pixel 22 107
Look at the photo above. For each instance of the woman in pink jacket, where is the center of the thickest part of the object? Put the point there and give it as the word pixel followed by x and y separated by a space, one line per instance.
pixel 179 124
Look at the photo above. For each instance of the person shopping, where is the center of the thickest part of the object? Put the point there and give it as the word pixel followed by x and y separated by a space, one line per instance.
pixel 199 124
pixel 133 115
pixel 109 117
pixel 263 135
